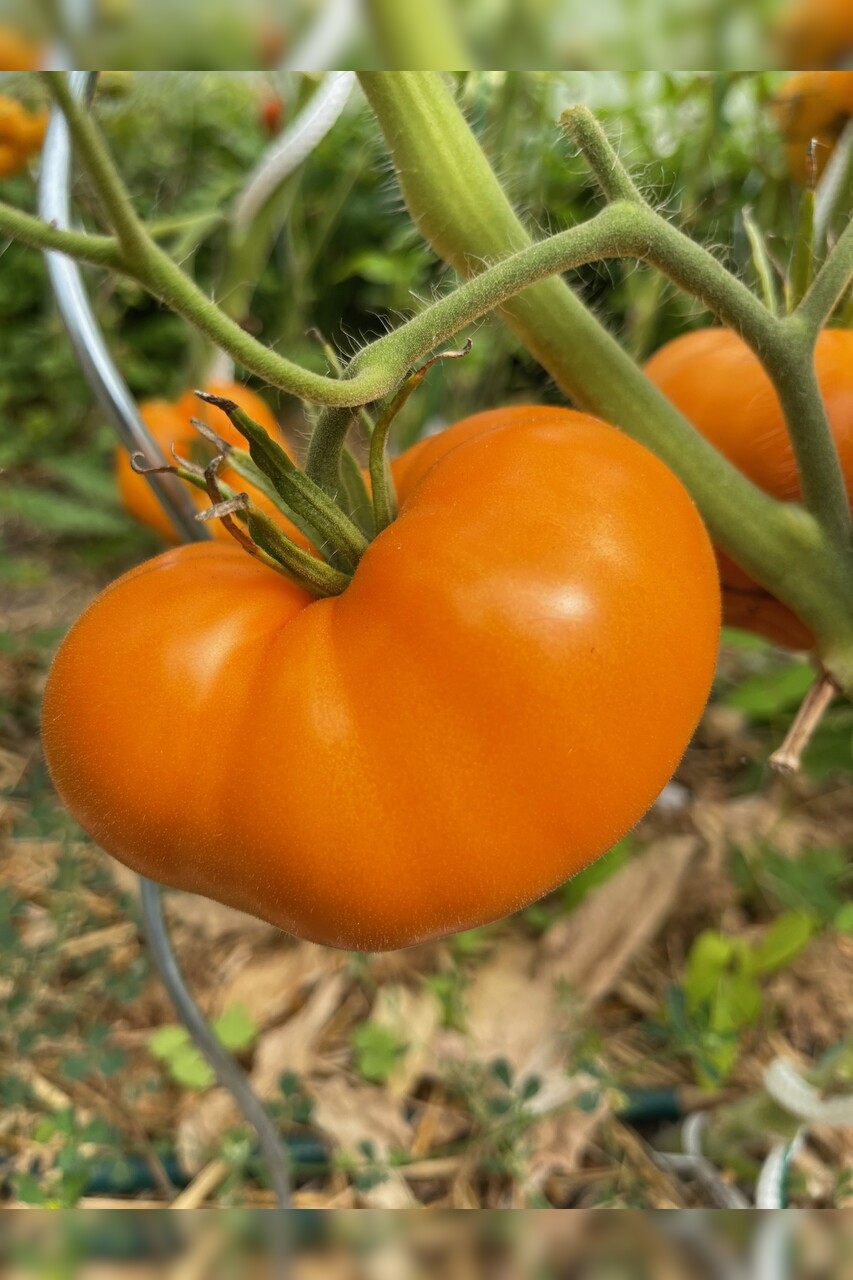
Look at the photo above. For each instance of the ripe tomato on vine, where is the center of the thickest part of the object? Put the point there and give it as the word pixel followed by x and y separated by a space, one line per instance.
pixel 718 383
pixel 506 682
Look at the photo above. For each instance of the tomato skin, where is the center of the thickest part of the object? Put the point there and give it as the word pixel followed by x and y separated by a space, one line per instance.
pixel 500 693
pixel 169 423
pixel 716 381
pixel 411 466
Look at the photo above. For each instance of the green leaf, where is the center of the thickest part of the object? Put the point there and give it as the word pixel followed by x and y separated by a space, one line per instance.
pixel 766 696
pixel 471 941
pixel 60 515
pixel 44 1129
pixel 811 884
pixel 189 1068
pixel 502 1071
pixel 86 478
pixel 783 941
pixel 716 1060
pixel 843 921
pixel 736 1003
pixel 167 1041
pixel 27 1189
pixel 236 1028
pixel 376 1051
pixel 710 956
pixel 831 749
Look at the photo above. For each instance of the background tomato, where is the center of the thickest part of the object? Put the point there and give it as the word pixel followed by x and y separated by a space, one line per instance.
pixel 813 104
pixel 717 382
pixel 815 33
pixel 17 52
pixel 22 133
pixel 500 693
pixel 170 424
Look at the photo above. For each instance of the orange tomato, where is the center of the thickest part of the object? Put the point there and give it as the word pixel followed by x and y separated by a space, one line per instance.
pixel 716 381
pixel 169 423
pixel 813 104
pixel 17 53
pixel 189 406
pixel 815 33
pixel 498 695
pixel 22 133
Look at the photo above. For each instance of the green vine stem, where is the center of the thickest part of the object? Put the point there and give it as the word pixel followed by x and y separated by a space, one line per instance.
pixel 829 285
pixel 84 246
pixel 381 483
pixel 111 191
pixel 417 35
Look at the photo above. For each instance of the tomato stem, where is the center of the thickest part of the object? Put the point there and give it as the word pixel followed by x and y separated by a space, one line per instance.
pixel 616 183
pixel 788 757
pixel 425 35
pixel 384 496
pixel 111 191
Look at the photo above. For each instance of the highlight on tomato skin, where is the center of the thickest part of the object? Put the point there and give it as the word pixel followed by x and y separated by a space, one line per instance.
pixel 718 383
pixel 500 693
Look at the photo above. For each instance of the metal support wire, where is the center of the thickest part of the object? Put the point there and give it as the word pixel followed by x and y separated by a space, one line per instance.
pixel 117 402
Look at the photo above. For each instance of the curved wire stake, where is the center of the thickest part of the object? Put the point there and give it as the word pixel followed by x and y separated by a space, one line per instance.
pixel 54 205
pixel 117 402
pixel 297 142
pixel 228 1072
pixel 337 24
pixel 281 158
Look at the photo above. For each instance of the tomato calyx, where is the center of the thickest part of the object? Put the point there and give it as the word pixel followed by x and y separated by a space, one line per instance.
pixel 277 485
pixel 328 524
pixel 253 530
pixel 266 541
